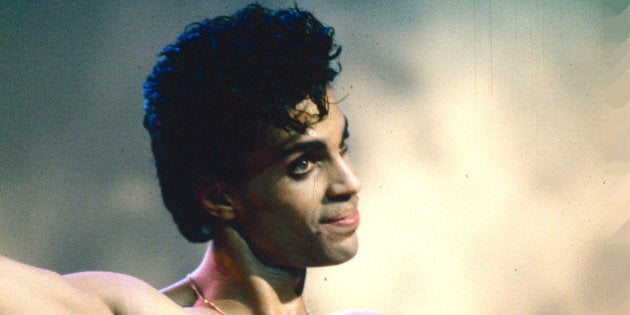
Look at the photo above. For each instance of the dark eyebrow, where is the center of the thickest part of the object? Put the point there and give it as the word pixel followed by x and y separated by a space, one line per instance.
pixel 314 145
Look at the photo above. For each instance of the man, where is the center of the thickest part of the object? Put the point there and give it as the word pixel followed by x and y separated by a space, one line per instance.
pixel 250 151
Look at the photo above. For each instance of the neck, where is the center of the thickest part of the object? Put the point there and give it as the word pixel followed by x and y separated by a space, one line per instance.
pixel 231 276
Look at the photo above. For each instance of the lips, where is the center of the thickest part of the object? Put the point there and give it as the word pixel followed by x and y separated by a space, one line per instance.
pixel 349 219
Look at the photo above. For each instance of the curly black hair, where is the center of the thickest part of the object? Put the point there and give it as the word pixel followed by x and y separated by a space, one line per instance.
pixel 210 92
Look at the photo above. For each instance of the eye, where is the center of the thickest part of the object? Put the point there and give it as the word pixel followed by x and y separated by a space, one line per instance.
pixel 300 166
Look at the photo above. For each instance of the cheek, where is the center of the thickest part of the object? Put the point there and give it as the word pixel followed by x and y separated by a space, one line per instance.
pixel 305 197
pixel 284 201
pixel 295 207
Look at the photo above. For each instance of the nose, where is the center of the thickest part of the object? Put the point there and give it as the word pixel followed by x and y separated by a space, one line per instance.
pixel 343 182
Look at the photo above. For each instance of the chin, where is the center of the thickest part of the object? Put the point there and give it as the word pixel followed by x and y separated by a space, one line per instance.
pixel 340 253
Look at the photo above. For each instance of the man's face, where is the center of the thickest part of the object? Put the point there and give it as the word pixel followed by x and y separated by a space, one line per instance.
pixel 299 208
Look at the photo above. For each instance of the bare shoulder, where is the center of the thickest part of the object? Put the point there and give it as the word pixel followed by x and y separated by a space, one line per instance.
pixel 124 294
pixel 181 293
pixel 30 290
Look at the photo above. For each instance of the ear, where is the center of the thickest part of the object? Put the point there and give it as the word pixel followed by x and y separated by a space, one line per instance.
pixel 214 198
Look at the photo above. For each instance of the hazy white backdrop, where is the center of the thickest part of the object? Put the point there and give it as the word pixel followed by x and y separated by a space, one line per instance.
pixel 492 138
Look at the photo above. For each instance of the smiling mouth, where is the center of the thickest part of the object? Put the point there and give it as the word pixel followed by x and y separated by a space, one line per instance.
pixel 349 220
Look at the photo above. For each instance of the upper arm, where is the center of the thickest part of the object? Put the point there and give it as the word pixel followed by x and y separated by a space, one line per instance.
pixel 26 290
